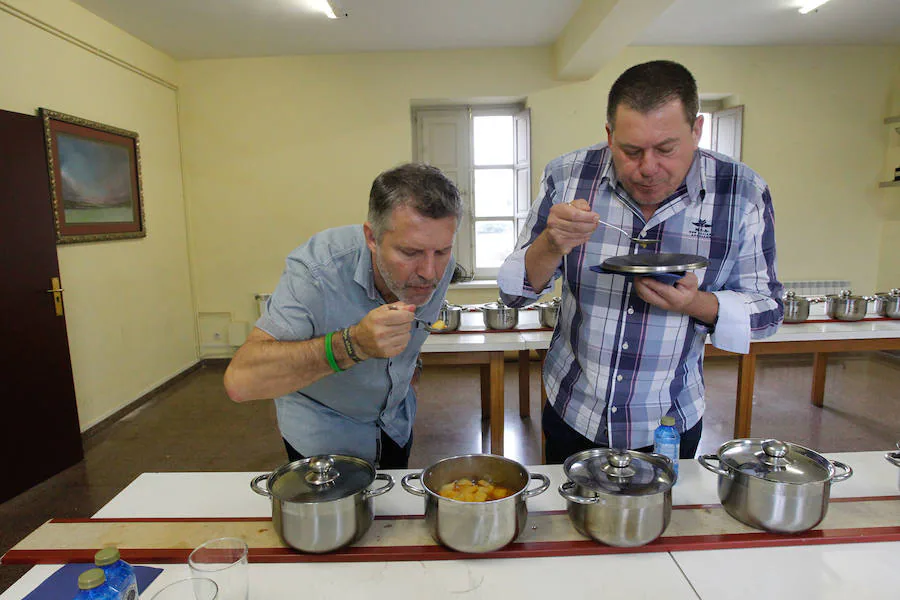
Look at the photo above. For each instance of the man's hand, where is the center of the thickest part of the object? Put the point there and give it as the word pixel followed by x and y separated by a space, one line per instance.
pixel 384 332
pixel 683 297
pixel 570 225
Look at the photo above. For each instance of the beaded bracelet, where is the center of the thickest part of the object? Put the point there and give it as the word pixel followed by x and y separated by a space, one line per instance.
pixel 348 346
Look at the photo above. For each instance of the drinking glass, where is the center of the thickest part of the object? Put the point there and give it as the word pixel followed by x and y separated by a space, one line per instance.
pixel 224 560
pixel 193 588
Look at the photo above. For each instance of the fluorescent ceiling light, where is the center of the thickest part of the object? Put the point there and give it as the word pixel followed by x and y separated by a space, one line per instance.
pixel 330 8
pixel 811 6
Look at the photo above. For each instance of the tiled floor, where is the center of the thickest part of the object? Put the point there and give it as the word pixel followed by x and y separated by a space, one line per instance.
pixel 192 426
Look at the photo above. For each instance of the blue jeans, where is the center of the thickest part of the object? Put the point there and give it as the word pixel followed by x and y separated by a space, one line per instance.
pixel 563 441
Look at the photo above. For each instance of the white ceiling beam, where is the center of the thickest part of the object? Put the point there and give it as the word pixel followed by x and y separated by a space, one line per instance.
pixel 598 31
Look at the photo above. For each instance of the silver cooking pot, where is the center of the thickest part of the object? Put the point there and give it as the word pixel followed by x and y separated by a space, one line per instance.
pixel 845 306
pixel 499 316
pixel 320 504
pixel 451 315
pixel 894 457
pixel 796 308
pixel 549 313
pixel 475 526
pixel 619 497
pixel 888 305
pixel 772 485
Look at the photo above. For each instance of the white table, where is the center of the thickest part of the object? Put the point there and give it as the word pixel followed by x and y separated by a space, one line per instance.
pixel 858 571
pixel 817 336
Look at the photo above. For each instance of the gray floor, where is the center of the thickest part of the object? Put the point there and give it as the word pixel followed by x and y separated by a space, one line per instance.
pixel 192 426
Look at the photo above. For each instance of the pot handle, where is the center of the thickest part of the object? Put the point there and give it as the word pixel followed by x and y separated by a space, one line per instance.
pixel 538 490
pixel 893 458
pixel 411 489
pixel 254 485
pixel 385 488
pixel 704 462
pixel 847 471
pixel 565 490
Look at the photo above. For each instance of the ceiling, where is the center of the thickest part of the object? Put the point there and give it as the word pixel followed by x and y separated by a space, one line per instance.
pixel 195 29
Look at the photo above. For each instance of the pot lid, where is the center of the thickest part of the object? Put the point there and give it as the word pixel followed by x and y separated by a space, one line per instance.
pixel 620 472
pixel 321 478
pixel 637 264
pixel 776 461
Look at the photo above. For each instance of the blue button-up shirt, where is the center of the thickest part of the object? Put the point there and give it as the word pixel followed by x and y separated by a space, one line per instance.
pixel 328 284
pixel 616 364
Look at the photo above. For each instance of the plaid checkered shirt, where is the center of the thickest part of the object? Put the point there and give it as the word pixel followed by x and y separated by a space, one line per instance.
pixel 616 364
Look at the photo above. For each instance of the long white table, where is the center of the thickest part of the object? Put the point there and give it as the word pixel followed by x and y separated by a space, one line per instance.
pixel 824 572
pixel 817 336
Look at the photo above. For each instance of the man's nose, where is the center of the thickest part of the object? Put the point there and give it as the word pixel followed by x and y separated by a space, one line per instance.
pixel 427 267
pixel 648 164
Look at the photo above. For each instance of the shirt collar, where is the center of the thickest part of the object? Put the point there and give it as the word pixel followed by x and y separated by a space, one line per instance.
pixel 694 180
pixel 365 273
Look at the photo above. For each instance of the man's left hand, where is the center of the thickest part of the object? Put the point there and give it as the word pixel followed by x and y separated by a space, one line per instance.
pixel 683 297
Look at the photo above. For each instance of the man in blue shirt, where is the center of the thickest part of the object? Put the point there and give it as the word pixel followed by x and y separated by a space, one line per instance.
pixel 337 345
pixel 628 351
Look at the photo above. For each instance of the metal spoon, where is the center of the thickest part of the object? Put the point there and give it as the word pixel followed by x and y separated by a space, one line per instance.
pixel 425 324
pixel 637 240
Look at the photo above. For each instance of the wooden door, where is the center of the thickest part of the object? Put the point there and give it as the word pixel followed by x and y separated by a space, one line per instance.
pixel 39 432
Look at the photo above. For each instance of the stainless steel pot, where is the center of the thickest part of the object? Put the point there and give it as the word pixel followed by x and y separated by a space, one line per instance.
pixel 475 526
pixel 772 485
pixel 894 457
pixel 320 504
pixel 549 313
pixel 888 305
pixel 619 497
pixel 796 308
pixel 451 315
pixel 845 306
pixel 499 316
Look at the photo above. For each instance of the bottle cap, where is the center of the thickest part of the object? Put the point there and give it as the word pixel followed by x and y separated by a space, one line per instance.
pixel 90 579
pixel 667 421
pixel 107 556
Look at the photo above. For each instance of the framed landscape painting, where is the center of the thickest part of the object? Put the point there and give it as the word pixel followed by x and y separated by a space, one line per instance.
pixel 95 179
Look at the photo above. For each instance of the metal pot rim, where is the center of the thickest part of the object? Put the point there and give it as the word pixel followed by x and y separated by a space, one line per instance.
pixel 433 466
pixel 298 465
pixel 806 454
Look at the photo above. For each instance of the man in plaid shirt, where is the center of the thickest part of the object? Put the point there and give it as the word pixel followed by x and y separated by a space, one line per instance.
pixel 628 351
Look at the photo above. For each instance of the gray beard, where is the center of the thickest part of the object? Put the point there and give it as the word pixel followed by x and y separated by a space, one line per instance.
pixel 397 289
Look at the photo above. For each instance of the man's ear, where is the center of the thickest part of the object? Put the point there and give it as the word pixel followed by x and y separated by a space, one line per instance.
pixel 371 242
pixel 697 129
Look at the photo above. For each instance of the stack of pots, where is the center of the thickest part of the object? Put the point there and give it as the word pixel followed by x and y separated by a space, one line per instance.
pixel 320 504
pixel 619 497
pixel 499 316
pixel 475 527
pixel 772 485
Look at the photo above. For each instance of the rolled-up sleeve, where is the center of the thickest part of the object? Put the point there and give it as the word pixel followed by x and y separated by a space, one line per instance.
pixel 750 305
pixel 512 279
pixel 290 311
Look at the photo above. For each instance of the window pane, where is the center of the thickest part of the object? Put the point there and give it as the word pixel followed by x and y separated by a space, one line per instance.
pixel 494 241
pixel 706 135
pixel 493 140
pixel 494 192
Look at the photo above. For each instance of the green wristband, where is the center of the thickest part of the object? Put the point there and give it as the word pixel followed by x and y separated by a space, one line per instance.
pixel 329 353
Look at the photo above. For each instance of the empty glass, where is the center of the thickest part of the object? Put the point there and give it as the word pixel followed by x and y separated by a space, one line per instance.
pixel 223 560
pixel 193 588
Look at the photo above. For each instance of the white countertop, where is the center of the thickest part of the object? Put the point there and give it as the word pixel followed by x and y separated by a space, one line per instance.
pixel 860 571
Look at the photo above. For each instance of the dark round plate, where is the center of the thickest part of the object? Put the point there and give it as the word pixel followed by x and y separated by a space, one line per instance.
pixel 641 264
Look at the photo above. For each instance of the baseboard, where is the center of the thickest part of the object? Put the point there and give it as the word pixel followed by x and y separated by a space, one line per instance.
pixel 105 422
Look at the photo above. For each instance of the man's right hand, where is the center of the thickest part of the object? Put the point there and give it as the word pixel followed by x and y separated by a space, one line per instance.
pixel 384 332
pixel 569 225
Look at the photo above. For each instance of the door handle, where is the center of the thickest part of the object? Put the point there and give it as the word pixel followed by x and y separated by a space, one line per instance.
pixel 57 295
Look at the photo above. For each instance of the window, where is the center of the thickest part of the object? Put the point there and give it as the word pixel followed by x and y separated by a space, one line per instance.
pixel 722 130
pixel 486 152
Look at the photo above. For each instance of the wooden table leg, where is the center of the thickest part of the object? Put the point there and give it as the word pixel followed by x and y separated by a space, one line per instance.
pixel 524 385
pixel 820 364
pixel 542 354
pixel 743 409
pixel 496 386
pixel 485 391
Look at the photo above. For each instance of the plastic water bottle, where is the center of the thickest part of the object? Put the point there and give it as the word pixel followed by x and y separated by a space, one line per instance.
pixel 667 441
pixel 119 574
pixel 92 585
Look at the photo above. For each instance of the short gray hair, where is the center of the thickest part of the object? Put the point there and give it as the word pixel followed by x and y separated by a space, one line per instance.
pixel 421 187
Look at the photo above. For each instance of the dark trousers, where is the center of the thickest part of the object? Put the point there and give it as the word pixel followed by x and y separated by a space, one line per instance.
pixel 391 455
pixel 562 441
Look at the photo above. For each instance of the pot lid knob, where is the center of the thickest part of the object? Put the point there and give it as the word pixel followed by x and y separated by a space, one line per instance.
pixel 619 460
pixel 774 448
pixel 618 465
pixel 790 294
pixel 845 293
pixel 321 470
pixel 895 291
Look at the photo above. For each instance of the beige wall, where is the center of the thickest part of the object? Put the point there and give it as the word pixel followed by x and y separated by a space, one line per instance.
pixel 129 312
pixel 277 149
